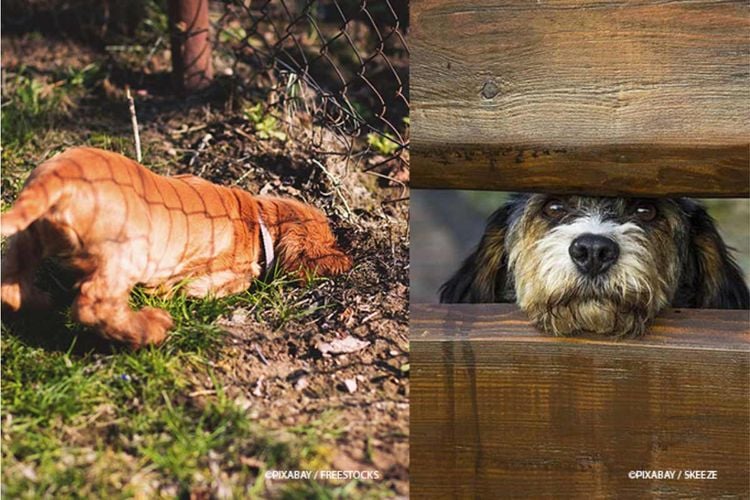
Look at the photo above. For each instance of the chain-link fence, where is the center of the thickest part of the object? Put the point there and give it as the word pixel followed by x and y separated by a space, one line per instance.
pixel 342 63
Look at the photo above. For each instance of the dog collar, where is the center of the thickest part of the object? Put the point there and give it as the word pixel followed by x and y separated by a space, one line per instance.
pixel 265 237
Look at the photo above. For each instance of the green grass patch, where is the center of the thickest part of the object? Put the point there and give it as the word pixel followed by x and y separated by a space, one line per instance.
pixel 80 419
pixel 31 103
pixel 32 107
pixel 385 144
pixel 65 415
pixel 266 125
pixel 280 299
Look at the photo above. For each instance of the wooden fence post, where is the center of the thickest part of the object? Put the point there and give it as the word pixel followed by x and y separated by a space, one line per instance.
pixel 191 47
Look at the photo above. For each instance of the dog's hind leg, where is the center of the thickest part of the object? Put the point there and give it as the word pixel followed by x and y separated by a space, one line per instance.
pixel 19 265
pixel 103 305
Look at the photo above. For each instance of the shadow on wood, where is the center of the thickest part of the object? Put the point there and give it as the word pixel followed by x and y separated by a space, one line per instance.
pixel 642 170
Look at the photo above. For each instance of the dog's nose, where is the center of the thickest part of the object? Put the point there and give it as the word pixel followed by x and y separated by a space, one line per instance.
pixel 593 254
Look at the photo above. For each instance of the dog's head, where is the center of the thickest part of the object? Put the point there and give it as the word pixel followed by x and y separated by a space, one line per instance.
pixel 599 265
pixel 302 237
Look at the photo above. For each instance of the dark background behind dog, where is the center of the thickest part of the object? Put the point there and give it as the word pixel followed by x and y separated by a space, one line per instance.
pixel 447 225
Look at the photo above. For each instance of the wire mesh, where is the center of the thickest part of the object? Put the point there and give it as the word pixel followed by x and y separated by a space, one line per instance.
pixel 344 62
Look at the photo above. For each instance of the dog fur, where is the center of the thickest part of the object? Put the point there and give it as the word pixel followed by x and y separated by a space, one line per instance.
pixel 676 258
pixel 117 224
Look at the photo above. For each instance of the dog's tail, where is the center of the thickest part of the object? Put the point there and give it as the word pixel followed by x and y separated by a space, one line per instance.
pixel 39 194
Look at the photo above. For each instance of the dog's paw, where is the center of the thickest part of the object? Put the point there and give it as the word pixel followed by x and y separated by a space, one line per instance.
pixel 154 324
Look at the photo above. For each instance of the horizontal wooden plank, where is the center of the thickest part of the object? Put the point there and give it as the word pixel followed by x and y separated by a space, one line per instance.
pixel 516 95
pixel 674 328
pixel 500 409
pixel 700 172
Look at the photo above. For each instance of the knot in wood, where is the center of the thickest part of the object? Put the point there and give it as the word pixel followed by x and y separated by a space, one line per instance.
pixel 490 89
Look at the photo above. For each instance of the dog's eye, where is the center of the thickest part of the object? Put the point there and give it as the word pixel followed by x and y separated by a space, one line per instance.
pixel 645 212
pixel 555 209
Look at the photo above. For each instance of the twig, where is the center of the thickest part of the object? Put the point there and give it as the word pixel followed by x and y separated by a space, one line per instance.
pixel 201 146
pixel 392 179
pixel 245 174
pixel 148 58
pixel 394 200
pixel 244 134
pixel 260 354
pixel 336 187
pixel 369 317
pixel 186 130
pixel 203 392
pixel 134 122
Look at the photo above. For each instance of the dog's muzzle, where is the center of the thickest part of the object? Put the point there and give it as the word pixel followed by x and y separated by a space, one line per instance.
pixel 593 254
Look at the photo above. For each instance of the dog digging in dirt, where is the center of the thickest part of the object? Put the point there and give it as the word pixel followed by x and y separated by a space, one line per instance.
pixel 605 266
pixel 117 224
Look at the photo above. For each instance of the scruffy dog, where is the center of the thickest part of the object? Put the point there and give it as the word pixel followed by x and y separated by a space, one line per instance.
pixel 599 265
pixel 117 224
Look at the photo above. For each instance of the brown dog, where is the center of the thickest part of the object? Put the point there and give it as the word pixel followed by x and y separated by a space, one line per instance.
pixel 118 224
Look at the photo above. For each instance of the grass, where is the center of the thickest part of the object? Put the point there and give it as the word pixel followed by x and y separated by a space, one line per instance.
pixel 32 106
pixel 31 103
pixel 384 144
pixel 86 422
pixel 266 126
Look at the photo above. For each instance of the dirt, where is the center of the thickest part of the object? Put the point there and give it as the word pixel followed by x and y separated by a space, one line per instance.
pixel 275 369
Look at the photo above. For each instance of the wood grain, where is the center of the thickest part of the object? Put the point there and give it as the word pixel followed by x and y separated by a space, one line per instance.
pixel 559 95
pixel 499 409
pixel 702 172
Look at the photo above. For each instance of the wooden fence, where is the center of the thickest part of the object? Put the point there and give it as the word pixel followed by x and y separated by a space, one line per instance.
pixel 636 96
pixel 501 410
pixel 621 98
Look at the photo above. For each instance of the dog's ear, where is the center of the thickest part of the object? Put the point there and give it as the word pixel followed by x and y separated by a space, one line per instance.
pixel 717 281
pixel 483 275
